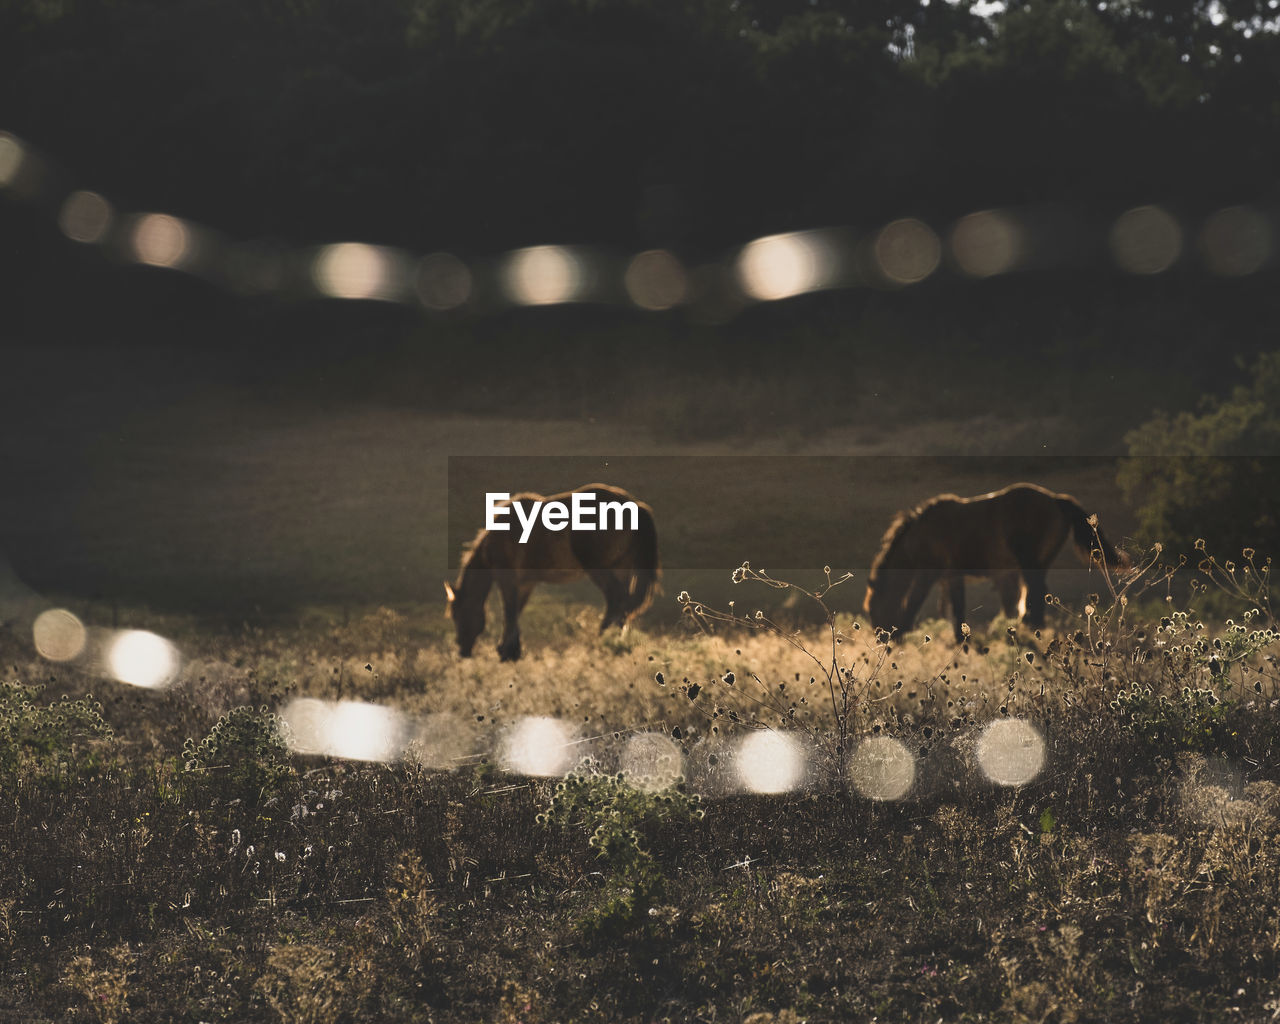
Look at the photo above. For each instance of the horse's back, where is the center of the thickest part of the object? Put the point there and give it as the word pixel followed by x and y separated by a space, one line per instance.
pixel 620 541
pixel 995 531
pixel 562 555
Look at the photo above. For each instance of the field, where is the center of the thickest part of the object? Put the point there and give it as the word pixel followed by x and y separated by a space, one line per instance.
pixel 905 853
pixel 1131 877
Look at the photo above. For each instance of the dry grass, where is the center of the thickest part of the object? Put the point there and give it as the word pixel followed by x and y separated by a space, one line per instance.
pixel 1134 878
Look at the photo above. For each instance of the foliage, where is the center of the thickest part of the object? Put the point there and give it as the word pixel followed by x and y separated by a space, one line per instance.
pixel 313 984
pixel 1208 474
pixel 44 737
pixel 617 811
pixel 337 116
pixel 247 750
pixel 103 983
pixel 1192 719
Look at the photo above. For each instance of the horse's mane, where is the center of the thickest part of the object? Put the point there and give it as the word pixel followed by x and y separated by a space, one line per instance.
pixel 900 522
pixel 470 549
pixel 898 528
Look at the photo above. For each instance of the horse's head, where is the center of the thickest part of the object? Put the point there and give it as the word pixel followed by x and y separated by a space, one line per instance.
pixel 888 582
pixel 885 604
pixel 467 616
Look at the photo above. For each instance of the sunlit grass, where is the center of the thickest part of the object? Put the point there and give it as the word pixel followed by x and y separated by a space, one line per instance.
pixel 698 824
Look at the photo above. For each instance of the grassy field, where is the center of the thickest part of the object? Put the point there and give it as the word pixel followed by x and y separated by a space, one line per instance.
pixel 168 858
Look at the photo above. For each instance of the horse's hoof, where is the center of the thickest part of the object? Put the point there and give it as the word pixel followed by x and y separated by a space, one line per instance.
pixel 509 653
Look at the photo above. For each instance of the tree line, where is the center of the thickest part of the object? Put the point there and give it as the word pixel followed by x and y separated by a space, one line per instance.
pixel 476 125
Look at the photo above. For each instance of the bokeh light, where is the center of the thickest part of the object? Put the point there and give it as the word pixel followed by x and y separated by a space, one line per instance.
pixel 1010 752
pixel 543 275
pixel 907 251
pixel 443 281
pixel 58 635
pixel 656 280
pixel 987 243
pixel 353 270
pixel 11 157
pixel 85 217
pixel 365 732
pixel 882 768
pixel 141 658
pixel 307 722
pixel 537 746
pixel 651 761
pixel 780 266
pixel 1146 240
pixel 1236 241
pixel 159 240
pixel 349 729
pixel 769 762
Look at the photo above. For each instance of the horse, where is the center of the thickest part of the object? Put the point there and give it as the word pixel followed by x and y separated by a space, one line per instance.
pixel 1010 537
pixel 622 562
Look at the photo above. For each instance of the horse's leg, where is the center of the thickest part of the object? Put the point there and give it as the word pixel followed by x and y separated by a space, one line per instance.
pixel 615 597
pixel 1009 586
pixel 1037 590
pixel 513 601
pixel 917 591
pixel 955 594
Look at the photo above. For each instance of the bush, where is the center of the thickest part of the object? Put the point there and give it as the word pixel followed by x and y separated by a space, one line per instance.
pixel 1205 474
pixel 246 748
pixel 40 736
pixel 616 813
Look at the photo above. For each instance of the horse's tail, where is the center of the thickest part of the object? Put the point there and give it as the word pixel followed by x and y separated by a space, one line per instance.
pixel 646 571
pixel 1088 536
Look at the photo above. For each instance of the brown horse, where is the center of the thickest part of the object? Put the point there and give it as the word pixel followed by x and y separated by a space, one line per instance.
pixel 1010 537
pixel 621 561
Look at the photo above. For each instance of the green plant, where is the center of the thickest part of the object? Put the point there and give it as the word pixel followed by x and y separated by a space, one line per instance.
pixel 246 747
pixel 1192 719
pixel 1207 474
pixel 413 911
pixel 102 981
pixel 306 983
pixel 1245 581
pixel 44 736
pixel 616 813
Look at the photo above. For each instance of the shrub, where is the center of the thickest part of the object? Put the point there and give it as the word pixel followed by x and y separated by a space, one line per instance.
pixel 616 814
pixel 1206 474
pixel 1192 719
pixel 44 736
pixel 246 748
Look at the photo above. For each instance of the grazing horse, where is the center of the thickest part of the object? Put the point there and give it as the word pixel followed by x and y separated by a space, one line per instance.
pixel 621 561
pixel 1010 537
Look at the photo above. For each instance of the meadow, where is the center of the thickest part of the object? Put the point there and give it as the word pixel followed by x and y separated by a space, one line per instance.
pixel 169 858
